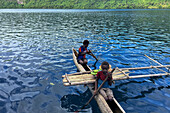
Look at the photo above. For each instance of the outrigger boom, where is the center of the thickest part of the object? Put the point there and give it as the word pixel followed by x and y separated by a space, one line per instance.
pixel 136 68
pixel 81 78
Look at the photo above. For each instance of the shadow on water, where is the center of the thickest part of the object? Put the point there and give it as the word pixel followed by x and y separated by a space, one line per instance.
pixel 73 102
pixel 122 98
pixel 122 95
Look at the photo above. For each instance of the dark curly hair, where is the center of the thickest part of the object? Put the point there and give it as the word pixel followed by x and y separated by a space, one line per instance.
pixel 85 42
pixel 105 63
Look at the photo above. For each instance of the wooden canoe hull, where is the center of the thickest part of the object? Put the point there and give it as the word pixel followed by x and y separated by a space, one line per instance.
pixel 104 107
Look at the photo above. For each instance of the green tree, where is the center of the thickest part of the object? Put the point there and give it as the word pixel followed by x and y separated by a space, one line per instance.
pixel 86 4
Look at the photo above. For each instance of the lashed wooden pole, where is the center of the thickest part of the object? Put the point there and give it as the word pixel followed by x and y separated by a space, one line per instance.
pixel 67 79
pixel 141 76
pixel 161 70
pixel 156 61
pixel 123 72
pixel 78 73
pixel 137 68
pixel 122 78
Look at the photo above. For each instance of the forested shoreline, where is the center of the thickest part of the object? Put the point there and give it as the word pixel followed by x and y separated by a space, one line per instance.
pixel 86 4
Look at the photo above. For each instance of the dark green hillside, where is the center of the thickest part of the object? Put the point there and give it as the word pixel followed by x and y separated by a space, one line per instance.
pixel 86 4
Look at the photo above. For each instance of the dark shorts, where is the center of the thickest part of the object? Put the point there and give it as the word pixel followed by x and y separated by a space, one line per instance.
pixel 81 59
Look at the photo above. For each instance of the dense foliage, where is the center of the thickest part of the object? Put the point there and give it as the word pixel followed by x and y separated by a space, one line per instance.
pixel 86 4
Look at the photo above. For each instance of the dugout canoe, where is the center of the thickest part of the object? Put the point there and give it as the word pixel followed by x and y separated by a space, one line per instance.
pixel 111 107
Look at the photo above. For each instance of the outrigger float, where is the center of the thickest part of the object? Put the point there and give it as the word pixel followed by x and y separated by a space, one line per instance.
pixel 85 77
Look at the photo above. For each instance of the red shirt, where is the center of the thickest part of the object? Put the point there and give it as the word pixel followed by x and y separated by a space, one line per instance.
pixel 101 76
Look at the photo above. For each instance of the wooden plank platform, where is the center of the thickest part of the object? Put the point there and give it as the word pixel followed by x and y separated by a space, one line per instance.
pixel 80 79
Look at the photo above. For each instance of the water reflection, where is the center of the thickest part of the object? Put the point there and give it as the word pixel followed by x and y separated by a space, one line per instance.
pixel 74 102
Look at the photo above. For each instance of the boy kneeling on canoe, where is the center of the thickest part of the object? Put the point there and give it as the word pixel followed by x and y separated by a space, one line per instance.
pixel 82 53
pixel 105 91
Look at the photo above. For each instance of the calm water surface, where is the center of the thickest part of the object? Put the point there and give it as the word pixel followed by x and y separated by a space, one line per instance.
pixel 35 51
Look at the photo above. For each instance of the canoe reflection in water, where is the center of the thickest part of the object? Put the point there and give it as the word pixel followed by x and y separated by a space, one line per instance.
pixel 73 102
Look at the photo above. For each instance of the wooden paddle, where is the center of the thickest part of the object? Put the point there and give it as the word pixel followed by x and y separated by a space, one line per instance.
pixel 90 53
pixel 96 92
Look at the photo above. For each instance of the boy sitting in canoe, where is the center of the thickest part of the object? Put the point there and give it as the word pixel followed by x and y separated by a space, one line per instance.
pixel 105 91
pixel 82 53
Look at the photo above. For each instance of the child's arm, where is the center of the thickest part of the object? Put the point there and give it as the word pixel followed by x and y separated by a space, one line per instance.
pixel 96 84
pixel 110 79
pixel 110 82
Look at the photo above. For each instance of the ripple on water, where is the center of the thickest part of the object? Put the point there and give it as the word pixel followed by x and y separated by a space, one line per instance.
pixel 21 96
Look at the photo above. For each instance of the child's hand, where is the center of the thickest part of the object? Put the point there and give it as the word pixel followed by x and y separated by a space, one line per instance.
pixel 87 51
pixel 110 75
pixel 95 92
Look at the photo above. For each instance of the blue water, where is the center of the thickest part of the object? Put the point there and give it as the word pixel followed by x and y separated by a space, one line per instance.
pixel 35 51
